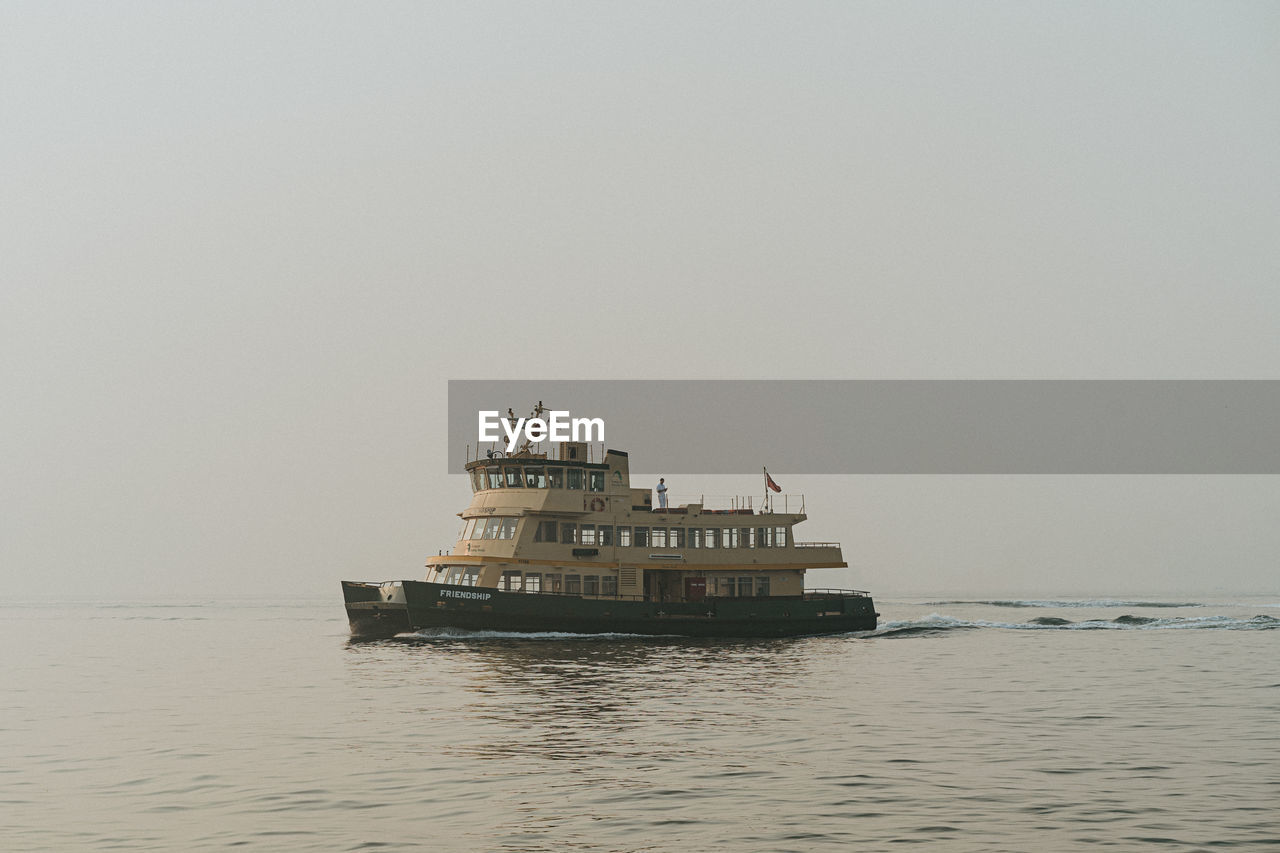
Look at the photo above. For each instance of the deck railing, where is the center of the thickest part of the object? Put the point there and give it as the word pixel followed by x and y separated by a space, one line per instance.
pixel 730 504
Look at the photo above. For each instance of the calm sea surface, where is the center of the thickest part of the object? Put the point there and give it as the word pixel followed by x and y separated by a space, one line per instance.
pixel 996 725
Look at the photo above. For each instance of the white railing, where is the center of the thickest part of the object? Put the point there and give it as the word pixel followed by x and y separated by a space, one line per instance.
pixel 753 504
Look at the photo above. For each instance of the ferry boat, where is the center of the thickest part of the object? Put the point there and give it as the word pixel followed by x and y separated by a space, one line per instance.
pixel 556 542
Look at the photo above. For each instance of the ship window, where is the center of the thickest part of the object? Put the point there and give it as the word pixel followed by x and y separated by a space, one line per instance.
pixel 624 537
pixel 514 478
pixel 779 537
pixel 471 576
pixel 695 537
pixel 748 537
pixel 642 537
pixel 554 583
pixel 573 583
pixel 546 532
pixel 762 585
pixel 491 528
pixel 555 477
pixel 477 479
pixel 508 529
pixel 535 478
pixel 590 584
pixel 597 481
pixel 725 586
pixel 744 587
pixel 467 524
pixel 495 477
pixel 569 534
pixel 609 585
pixel 730 537
pixel 587 536
pixel 573 478
pixel 711 538
pixel 533 582
pixel 604 533
pixel 676 537
pixel 659 537
pixel 511 581
pixel 763 538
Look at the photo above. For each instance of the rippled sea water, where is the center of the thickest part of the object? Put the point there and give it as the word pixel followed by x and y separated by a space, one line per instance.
pixel 959 725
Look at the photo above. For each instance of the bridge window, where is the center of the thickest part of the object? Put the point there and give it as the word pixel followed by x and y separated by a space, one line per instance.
pixel 711 538
pixel 779 537
pixel 730 537
pixel 676 537
pixel 624 537
pixel 508 529
pixel 573 478
pixel 748 537
pixel 535 478
pixel 515 478
pixel 491 528
pixel 659 537
pixel 642 537
pixel 569 534
pixel 597 481
pixel 604 533
pixel 477 479
pixel 555 477
pixel 587 534
pixel 695 537
pixel 495 477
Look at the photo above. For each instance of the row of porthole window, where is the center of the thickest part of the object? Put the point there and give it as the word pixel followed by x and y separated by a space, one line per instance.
pixel 603 535
pixel 661 537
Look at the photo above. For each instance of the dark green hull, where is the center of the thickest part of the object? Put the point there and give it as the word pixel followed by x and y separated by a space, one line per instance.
pixel 378 611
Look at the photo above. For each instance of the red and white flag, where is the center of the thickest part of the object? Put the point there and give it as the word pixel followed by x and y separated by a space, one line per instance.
pixel 768 481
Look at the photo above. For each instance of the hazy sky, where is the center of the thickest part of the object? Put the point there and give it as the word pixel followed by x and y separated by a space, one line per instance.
pixel 243 246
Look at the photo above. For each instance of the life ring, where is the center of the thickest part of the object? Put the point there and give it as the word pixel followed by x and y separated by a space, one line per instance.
pixel 597 504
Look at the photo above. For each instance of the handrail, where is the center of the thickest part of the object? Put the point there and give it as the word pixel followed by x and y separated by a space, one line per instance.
pixel 831 593
pixel 817 544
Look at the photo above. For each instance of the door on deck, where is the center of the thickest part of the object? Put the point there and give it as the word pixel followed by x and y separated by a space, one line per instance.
pixel 695 589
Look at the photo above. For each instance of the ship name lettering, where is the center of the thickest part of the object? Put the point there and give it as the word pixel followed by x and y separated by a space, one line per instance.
pixel 453 593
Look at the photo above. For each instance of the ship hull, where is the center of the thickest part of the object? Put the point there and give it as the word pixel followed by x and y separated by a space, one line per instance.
pixel 384 610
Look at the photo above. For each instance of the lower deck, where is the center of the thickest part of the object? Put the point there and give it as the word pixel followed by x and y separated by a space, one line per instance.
pixel 683 584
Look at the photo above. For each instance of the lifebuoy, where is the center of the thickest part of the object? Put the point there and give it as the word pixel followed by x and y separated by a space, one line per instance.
pixel 597 504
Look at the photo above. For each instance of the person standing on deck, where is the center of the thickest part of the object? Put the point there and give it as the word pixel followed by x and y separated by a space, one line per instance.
pixel 662 493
